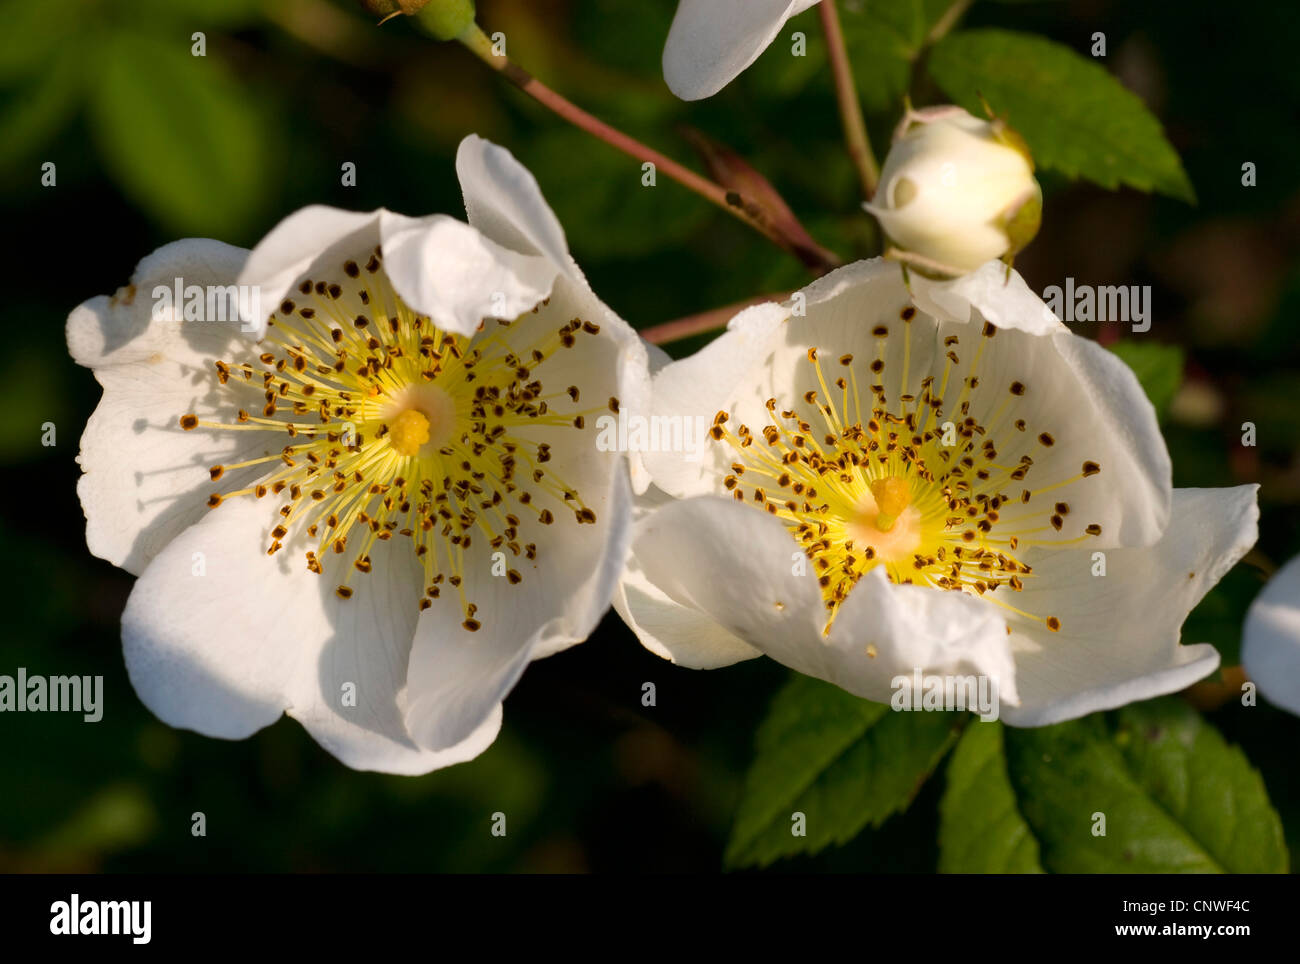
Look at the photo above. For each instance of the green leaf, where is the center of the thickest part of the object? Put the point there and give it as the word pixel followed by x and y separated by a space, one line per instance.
pixel 981 830
pixel 1075 116
pixel 179 136
pixel 1208 785
pixel 1159 369
pixel 841 761
pixel 1175 796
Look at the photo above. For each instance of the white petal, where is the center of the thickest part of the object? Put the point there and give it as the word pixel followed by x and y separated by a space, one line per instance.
pixel 1000 298
pixel 657 359
pixel 458 677
pixel 711 41
pixel 226 651
pixel 1130 498
pixel 199 651
pixel 1119 632
pixel 1092 409
pixel 696 387
pixel 762 354
pixel 315 237
pixel 743 570
pixel 145 479
pixel 1086 400
pixel 1270 648
pixel 664 626
pixel 122 329
pixel 449 271
pixel 611 364
pixel 504 202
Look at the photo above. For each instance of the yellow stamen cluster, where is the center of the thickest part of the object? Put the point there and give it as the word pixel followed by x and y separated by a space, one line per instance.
pixel 397 428
pixel 914 483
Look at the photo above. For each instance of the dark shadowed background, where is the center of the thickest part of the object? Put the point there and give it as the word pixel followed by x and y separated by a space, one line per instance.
pixel 152 144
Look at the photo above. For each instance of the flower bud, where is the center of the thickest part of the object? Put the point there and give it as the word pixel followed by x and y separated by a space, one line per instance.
pixel 956 191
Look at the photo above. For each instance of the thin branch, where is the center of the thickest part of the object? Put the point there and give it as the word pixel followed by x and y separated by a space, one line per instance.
pixel 846 93
pixel 740 207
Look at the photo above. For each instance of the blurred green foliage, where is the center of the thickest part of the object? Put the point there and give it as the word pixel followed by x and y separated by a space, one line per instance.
pixel 151 143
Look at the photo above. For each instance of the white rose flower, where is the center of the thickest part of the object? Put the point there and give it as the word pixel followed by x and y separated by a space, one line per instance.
pixel 1270 644
pixel 711 41
pixel 957 191
pixel 372 510
pixel 948 481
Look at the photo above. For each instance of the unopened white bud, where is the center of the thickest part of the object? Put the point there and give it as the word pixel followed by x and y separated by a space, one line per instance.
pixel 957 191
